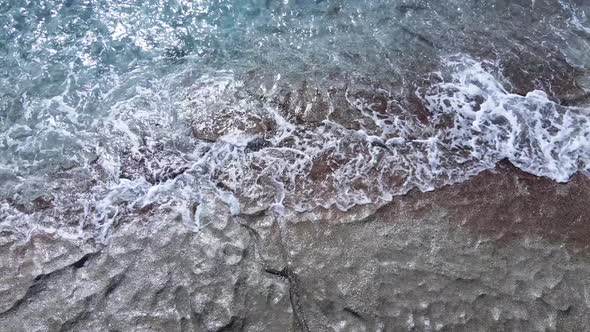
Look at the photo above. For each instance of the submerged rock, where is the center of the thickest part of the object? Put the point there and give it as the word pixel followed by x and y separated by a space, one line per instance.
pixel 503 251
pixel 173 281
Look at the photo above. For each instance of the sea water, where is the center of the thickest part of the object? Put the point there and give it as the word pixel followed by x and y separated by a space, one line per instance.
pixel 129 111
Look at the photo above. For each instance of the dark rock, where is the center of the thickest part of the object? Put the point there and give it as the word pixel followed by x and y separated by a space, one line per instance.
pixel 505 250
pixel 170 282
pixel 257 144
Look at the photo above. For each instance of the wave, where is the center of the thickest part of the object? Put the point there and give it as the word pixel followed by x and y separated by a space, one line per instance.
pixel 195 147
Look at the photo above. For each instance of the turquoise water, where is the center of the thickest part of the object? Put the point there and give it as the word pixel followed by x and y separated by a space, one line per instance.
pixel 121 111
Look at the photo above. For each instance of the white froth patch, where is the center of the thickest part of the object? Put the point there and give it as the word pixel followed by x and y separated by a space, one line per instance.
pixel 536 134
pixel 138 161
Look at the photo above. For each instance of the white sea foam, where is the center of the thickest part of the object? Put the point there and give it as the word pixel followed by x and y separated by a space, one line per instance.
pixel 535 133
pixel 140 162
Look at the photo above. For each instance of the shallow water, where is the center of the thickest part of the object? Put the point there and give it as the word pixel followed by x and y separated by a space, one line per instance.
pixel 134 111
